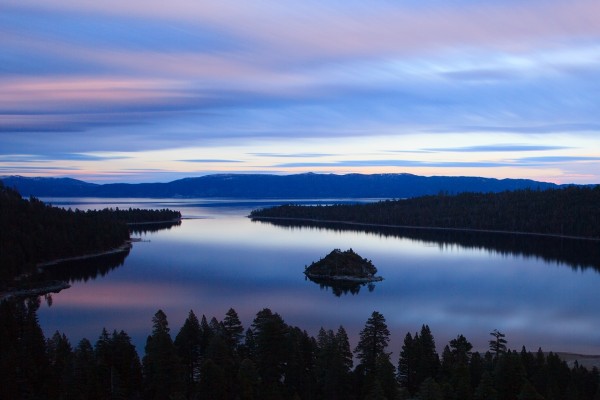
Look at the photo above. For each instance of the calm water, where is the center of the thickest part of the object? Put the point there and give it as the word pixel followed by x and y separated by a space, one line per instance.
pixel 218 258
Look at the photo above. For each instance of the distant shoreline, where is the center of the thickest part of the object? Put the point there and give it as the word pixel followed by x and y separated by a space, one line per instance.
pixel 351 223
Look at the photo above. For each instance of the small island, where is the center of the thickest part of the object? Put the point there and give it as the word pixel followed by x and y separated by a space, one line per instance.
pixel 343 266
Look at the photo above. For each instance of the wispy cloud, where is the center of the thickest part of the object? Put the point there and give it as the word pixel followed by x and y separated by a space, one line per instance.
pixel 590 127
pixel 28 158
pixel 556 160
pixel 210 161
pixel 292 155
pixel 277 83
pixel 391 163
pixel 493 148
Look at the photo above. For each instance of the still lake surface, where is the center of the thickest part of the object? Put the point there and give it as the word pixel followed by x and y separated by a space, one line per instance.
pixel 218 258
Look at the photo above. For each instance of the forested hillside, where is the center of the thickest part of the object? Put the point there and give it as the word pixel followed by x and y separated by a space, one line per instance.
pixel 571 211
pixel 33 232
pixel 220 360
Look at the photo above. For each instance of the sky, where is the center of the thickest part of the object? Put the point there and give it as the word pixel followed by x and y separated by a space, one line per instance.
pixel 152 91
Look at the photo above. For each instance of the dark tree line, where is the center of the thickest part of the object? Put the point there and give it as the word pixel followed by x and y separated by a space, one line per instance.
pixel 212 359
pixel 134 216
pixel 32 232
pixel 572 211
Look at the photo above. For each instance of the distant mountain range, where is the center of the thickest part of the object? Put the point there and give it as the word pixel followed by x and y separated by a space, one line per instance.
pixel 300 186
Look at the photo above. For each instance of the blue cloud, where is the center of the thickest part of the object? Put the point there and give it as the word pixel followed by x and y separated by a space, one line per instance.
pixel 559 127
pixel 498 148
pixel 480 75
pixel 291 155
pixel 389 163
pixel 555 159
pixel 28 158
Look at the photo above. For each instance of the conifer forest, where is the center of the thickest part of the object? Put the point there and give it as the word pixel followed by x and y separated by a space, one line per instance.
pixel 208 358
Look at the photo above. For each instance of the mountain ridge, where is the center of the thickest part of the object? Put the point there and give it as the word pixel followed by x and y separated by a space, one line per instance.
pixel 305 185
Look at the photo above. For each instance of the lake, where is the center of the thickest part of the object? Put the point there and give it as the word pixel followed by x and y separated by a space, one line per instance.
pixel 218 258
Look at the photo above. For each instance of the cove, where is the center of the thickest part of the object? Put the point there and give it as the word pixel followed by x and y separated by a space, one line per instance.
pixel 540 294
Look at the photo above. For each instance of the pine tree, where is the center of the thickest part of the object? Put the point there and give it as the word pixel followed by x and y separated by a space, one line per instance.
pixel 270 352
pixel 187 344
pixel 33 359
pixel 407 364
pixel 127 369
pixel 374 363
pixel 248 380
pixel 498 344
pixel 206 334
pixel 212 381
pixel 386 376
pixel 60 354
pixel 342 344
pixel 528 392
pixel 23 359
pixel 429 389
pixel 460 377
pixel 486 390
pixel 428 363
pixel 509 376
pixel 232 329
pixel 85 383
pixel 223 358
pixel 325 372
pixel 162 376
pixel 105 365
pixel 373 341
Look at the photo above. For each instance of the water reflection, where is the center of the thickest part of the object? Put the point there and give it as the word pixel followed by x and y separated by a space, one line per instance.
pixel 152 227
pixel 455 282
pixel 575 253
pixel 338 288
pixel 84 270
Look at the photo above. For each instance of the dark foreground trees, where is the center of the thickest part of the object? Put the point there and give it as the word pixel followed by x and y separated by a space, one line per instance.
pixel 211 359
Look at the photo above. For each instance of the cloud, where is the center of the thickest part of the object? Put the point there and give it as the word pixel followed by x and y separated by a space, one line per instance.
pixel 291 155
pixel 28 158
pixel 592 127
pixel 389 163
pixel 481 75
pixel 498 148
pixel 35 169
pixel 354 28
pixel 287 77
pixel 210 161
pixel 557 160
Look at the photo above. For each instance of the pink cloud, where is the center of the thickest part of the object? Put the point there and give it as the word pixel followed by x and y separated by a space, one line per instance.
pixel 292 30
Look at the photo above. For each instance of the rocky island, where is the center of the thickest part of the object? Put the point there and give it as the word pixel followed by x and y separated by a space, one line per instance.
pixel 343 266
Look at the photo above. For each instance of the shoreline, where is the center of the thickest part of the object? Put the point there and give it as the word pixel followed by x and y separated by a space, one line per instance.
pixel 57 286
pixel 171 221
pixel 120 249
pixel 344 278
pixel 351 223
pixel 51 287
